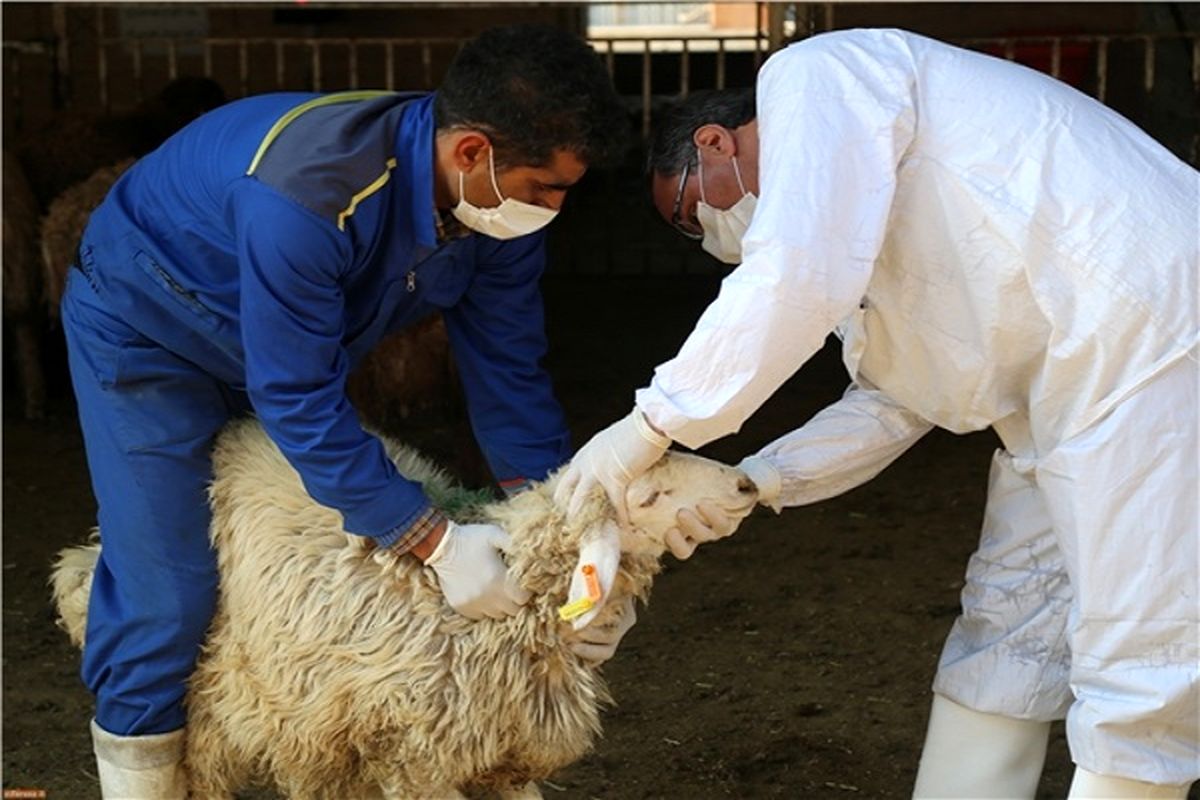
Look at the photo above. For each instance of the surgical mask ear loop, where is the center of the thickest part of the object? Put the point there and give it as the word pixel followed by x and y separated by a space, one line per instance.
pixel 491 172
pixel 738 174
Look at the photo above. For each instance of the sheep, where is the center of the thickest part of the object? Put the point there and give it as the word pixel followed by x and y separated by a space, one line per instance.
pixel 410 375
pixel 22 285
pixel 62 228
pixel 45 162
pixel 407 373
pixel 336 669
pixel 73 144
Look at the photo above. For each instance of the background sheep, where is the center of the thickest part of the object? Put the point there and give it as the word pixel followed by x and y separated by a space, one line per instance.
pixel 409 379
pixel 62 228
pixel 334 669
pixel 47 161
pixel 408 374
pixel 72 145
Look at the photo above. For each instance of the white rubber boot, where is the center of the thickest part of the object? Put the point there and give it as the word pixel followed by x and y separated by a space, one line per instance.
pixel 140 767
pixel 969 754
pixel 1088 785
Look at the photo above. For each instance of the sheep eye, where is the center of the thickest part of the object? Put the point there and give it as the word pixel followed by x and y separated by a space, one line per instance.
pixel 649 501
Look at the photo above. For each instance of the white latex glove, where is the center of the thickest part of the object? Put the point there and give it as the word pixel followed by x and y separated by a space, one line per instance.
pixel 597 643
pixel 611 459
pixel 706 524
pixel 473 576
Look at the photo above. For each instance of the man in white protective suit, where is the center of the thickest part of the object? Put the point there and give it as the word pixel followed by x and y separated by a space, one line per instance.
pixel 995 249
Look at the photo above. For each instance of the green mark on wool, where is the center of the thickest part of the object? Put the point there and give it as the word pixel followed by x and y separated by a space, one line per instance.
pixel 458 502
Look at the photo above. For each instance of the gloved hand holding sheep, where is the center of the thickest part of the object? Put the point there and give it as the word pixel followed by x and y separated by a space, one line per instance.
pixel 471 572
pixel 475 581
pixel 473 576
pixel 617 455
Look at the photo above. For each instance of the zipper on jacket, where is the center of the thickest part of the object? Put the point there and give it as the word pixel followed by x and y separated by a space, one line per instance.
pixel 410 282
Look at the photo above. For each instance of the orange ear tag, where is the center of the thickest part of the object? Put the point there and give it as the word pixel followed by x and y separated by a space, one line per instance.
pixel 593 582
pixel 584 604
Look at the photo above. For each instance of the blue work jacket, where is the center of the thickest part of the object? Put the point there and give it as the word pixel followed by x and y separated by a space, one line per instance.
pixel 274 241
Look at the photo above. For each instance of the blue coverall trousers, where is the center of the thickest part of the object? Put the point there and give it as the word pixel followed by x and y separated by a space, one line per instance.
pixel 149 418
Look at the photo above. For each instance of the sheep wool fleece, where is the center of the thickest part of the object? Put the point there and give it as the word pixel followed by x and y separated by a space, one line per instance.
pixel 250 263
pixel 998 250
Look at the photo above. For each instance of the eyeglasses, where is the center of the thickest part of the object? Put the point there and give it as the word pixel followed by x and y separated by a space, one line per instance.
pixel 686 227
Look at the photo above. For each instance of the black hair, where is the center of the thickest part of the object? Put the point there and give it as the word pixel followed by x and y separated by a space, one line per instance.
pixel 671 147
pixel 534 89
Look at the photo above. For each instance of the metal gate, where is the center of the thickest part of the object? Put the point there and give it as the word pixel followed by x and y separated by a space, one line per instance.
pixel 1153 79
pixel 108 73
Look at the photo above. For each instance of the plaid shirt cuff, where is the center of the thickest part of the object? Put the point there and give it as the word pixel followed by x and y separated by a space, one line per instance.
pixel 402 540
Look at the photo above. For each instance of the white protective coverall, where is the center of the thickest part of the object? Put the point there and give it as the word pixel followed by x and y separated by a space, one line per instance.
pixel 997 250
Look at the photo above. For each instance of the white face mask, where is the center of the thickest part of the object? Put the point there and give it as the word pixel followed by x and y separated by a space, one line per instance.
pixel 510 219
pixel 724 227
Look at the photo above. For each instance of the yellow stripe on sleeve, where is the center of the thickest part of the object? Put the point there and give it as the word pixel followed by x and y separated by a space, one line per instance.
pixel 371 188
pixel 290 117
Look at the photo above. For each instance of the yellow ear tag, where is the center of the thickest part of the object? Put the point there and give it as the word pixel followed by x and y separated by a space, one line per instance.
pixel 577 609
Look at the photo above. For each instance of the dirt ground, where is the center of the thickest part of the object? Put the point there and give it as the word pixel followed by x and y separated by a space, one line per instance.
pixel 791 660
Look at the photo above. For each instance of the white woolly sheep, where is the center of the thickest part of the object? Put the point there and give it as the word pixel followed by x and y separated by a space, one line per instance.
pixel 336 669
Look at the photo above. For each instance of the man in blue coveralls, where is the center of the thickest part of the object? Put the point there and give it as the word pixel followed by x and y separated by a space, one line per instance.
pixel 248 264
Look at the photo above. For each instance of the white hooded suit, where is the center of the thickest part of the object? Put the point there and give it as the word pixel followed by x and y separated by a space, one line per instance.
pixel 996 249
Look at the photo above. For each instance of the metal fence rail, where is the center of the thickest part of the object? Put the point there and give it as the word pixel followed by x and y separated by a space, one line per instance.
pixel 313 54
pixel 313 49
pixel 1153 79
pixel 683 50
pixel 1149 44
pixel 306 64
pixel 253 64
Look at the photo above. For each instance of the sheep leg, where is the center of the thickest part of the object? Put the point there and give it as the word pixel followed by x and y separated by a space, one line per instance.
pixel 29 365
pixel 529 791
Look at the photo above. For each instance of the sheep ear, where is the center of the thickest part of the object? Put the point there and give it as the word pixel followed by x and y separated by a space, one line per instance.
pixel 601 553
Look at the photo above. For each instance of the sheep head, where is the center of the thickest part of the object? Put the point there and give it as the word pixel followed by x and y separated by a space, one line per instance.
pixel 676 482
